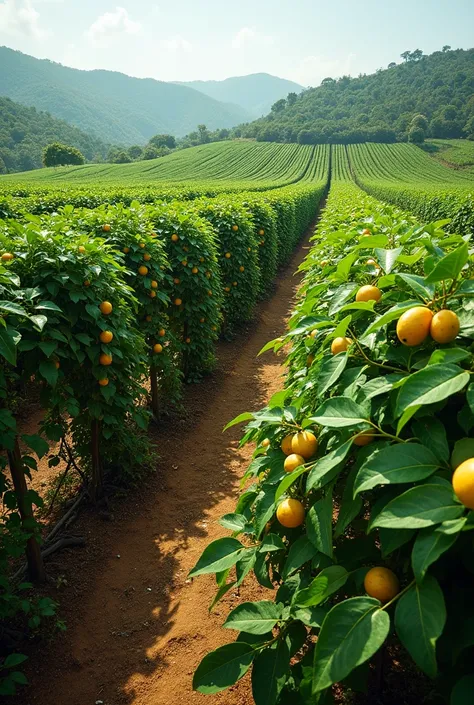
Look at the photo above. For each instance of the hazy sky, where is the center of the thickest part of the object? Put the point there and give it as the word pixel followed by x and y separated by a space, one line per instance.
pixel 303 40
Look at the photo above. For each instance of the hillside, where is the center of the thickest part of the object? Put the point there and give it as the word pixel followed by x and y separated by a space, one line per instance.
pixel 115 107
pixel 380 107
pixel 25 131
pixel 255 93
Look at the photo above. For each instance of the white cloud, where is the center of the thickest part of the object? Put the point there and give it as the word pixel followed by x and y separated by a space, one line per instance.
pixel 313 69
pixel 177 43
pixel 18 18
pixel 248 36
pixel 110 26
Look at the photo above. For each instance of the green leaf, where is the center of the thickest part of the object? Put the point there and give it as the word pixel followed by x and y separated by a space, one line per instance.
pixel 449 266
pixel 331 369
pixel 14 660
pixel 350 506
pixel 326 468
pixel 47 369
pixel 219 555
pixel 420 617
pixel 269 673
pixel 288 480
pixel 463 691
pixel 419 285
pixel 301 551
pixel 234 522
pixel 420 506
pixel 254 617
pixel 397 464
pixel 245 564
pixel 246 416
pixel 271 542
pixel 444 356
pixel 429 546
pixel 319 525
pixel 431 433
pixel 430 385
pixel 48 347
pixel 223 667
pixel 270 345
pixel 11 307
pixel 38 444
pixel 325 584
pixel 387 258
pixel 391 539
pixel 39 321
pixel 8 345
pixel 351 633
pixel 339 412
pixel 391 315
pixel 311 616
pixel 47 306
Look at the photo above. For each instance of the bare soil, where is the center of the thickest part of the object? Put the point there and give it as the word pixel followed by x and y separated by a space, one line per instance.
pixel 136 627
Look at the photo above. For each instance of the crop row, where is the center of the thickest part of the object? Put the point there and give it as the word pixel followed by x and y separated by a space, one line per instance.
pixel 351 515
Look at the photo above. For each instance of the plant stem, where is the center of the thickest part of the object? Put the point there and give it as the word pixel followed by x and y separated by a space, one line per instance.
pixel 394 599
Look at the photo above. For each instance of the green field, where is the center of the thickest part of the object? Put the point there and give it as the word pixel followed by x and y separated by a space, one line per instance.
pixel 453 153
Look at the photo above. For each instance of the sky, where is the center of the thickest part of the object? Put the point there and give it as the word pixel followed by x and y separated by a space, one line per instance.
pixel 302 40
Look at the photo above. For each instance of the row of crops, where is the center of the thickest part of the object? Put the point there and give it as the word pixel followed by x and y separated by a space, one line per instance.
pixel 104 314
pixel 356 511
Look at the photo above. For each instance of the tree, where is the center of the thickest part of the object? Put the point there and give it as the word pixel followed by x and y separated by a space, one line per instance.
pixel 391 65
pixel 446 48
pixel 406 55
pixel 150 152
pixel 121 157
pixel 420 121
pixel 291 99
pixel 279 106
pixel 469 128
pixel 416 55
pixel 57 154
pixel 416 135
pixel 328 81
pixel 163 141
pixel 135 151
pixel 204 136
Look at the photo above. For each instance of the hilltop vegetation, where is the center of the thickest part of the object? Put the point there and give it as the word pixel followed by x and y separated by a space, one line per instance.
pixel 24 132
pixel 116 108
pixel 379 107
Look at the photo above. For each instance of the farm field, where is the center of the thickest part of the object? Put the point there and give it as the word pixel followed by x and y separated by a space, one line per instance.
pixel 455 153
pixel 330 526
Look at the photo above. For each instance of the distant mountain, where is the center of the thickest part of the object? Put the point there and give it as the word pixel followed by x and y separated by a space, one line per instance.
pixel 425 96
pixel 25 131
pixel 112 106
pixel 255 93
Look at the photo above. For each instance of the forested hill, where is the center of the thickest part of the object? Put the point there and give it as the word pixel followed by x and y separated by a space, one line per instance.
pixel 25 131
pixel 380 107
pixel 115 107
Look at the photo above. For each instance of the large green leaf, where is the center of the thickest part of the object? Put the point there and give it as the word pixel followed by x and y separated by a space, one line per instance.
pixel 419 620
pixel 288 480
pixel 325 584
pixel 391 315
pixel 223 667
pixel 432 434
pixel 449 266
pixel 418 285
pixel 429 546
pixel 387 258
pixel 48 370
pixel 254 617
pixel 463 691
pixel 331 369
pixel 319 525
pixel 420 506
pixel 351 633
pixel 219 555
pixel 397 464
pixel 11 307
pixel 326 468
pixel 430 385
pixel 301 551
pixel 8 345
pixel 38 444
pixel 339 412
pixel 269 673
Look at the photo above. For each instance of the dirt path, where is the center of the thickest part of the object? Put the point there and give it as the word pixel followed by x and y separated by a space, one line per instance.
pixel 136 627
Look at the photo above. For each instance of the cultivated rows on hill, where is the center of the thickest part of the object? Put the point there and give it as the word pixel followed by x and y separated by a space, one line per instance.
pixel 356 514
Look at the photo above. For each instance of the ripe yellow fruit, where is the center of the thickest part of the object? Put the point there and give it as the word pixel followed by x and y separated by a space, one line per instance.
pixel 381 583
pixel 201 259
pixel 106 336
pixel 340 345
pixel 142 245
pixel 444 326
pixel 241 269
pixel 290 513
pixel 7 256
pixel 363 438
pixel 209 293
pixel 152 294
pixel 154 284
pixel 463 483
pixel 153 234
pixel 261 243
pixel 162 332
pixel 143 270
pixel 177 281
pixel 148 318
pixel 227 288
pixel 188 340
pixel 413 326
pixel 313 334
pixel 235 228
pixel 57 364
pixel 286 445
pixel 126 250
pixel 157 348
pixel 292 462
pixel 105 359
pixel 227 255
pixel 234 283
pixel 249 249
pixel 184 263
pixel 261 231
pixel 186 249
pixel 368 293
pixel 106 228
pixel 178 302
pixel 372 261
pixel 147 257
pixel 266 442
pixel 81 249
pixel 324 263
pixel 366 231
pixel 208 275
pixel 87 283
pixel 309 360
pixel 175 237
pixel 304 443
pixel 106 307
pixel 194 270
pixel 103 382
